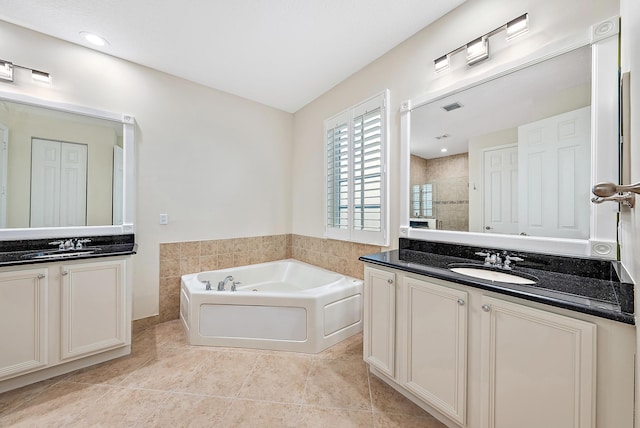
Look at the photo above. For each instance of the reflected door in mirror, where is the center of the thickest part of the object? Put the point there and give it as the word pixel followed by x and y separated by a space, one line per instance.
pixel 58 184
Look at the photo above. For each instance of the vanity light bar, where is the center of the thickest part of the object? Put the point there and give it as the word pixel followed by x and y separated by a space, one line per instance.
pixel 478 49
pixel 7 67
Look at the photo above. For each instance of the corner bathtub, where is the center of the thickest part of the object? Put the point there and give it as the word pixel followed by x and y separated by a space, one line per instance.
pixel 285 305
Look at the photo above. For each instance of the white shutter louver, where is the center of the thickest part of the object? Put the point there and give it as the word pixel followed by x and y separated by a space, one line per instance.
pixel 338 176
pixel 367 171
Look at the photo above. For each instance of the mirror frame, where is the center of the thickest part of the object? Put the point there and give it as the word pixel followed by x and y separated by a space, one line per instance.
pixel 129 185
pixel 604 161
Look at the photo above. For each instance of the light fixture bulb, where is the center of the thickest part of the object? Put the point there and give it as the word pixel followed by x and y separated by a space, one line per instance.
pixel 40 76
pixel 441 63
pixel 477 50
pixel 6 71
pixel 94 39
pixel 518 26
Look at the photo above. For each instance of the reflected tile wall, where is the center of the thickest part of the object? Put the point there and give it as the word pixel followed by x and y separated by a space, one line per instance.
pixel 180 258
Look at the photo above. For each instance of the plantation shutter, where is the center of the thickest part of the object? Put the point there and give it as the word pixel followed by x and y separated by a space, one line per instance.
pixel 356 175
pixel 337 146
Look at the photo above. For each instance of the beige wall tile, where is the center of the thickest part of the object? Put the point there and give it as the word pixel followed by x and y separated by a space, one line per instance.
pixel 225 246
pixel 209 248
pixel 209 262
pixel 170 251
pixel 170 268
pixel 190 249
pixel 225 261
pixel 190 265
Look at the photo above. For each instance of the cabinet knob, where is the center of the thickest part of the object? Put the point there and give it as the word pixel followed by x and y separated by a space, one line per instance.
pixel 390 281
pixel 486 308
pixel 64 272
pixel 41 276
pixel 461 302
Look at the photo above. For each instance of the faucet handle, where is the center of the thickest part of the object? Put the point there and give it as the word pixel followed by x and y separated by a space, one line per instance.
pixel 80 242
pixel 207 284
pixel 234 284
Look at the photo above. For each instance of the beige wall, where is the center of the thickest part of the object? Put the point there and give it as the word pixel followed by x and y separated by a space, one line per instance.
pixel 407 71
pixel 219 165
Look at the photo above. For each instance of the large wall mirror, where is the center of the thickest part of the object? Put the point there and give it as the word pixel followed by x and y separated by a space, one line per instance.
pixel 514 156
pixel 64 170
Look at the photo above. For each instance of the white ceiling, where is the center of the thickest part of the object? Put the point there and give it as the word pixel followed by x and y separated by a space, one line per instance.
pixel 282 53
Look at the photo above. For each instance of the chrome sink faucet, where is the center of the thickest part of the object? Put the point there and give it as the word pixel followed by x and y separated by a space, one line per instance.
pixel 222 284
pixel 495 260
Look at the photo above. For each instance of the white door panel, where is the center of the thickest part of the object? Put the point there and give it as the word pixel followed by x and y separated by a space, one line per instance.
pixel 555 175
pixel 58 184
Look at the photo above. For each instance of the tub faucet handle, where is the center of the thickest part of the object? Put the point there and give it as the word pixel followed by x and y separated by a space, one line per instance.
pixel 207 284
pixel 234 284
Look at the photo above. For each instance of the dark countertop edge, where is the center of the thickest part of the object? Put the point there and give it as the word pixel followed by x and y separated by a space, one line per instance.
pixel 445 275
pixel 24 262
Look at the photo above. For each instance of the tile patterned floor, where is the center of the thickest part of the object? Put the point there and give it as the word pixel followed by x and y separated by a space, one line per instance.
pixel 167 383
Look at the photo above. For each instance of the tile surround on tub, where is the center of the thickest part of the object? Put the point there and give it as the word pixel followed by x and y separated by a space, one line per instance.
pixel 180 258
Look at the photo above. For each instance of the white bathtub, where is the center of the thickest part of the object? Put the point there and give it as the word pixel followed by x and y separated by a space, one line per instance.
pixel 285 305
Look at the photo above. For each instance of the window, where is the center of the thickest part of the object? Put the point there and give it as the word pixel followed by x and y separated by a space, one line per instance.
pixel 356 190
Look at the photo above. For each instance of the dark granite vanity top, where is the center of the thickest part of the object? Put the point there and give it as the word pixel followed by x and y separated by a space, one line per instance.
pixel 31 251
pixel 592 286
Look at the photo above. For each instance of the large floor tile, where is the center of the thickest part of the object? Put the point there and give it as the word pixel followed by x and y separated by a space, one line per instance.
pixel 386 399
pixel 338 383
pixel 319 417
pixel 219 373
pixel 277 378
pixel 63 404
pixel 254 414
pixel 391 420
pixel 189 411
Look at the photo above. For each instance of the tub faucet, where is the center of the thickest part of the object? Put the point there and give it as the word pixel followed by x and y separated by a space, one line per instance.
pixel 221 284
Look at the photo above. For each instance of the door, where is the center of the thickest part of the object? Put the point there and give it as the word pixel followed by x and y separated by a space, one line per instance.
pixel 436 351
pixel 4 156
pixel 58 184
pixel 555 175
pixel 537 368
pixel 379 337
pixel 500 184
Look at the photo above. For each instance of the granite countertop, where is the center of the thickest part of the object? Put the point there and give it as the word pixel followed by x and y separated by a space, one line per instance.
pixel 592 286
pixel 22 252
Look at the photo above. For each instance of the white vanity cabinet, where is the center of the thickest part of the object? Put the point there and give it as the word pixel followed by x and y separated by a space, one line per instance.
pixel 433 358
pixel 92 308
pixel 379 339
pixel 23 321
pixel 61 317
pixel 479 359
pixel 537 368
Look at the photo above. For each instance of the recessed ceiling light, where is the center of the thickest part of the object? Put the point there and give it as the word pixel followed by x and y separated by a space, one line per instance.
pixel 443 150
pixel 94 39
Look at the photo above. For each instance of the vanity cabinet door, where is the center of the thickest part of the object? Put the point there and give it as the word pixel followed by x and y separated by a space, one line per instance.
pixel 23 321
pixel 380 319
pixel 537 368
pixel 92 308
pixel 435 361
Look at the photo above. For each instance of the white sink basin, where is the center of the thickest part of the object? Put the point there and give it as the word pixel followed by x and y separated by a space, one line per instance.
pixel 492 275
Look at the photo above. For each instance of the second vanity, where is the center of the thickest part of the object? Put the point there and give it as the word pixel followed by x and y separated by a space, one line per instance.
pixel 558 352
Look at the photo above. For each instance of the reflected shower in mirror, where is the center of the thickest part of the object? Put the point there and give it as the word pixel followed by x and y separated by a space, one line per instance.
pixel 510 155
pixel 59 169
